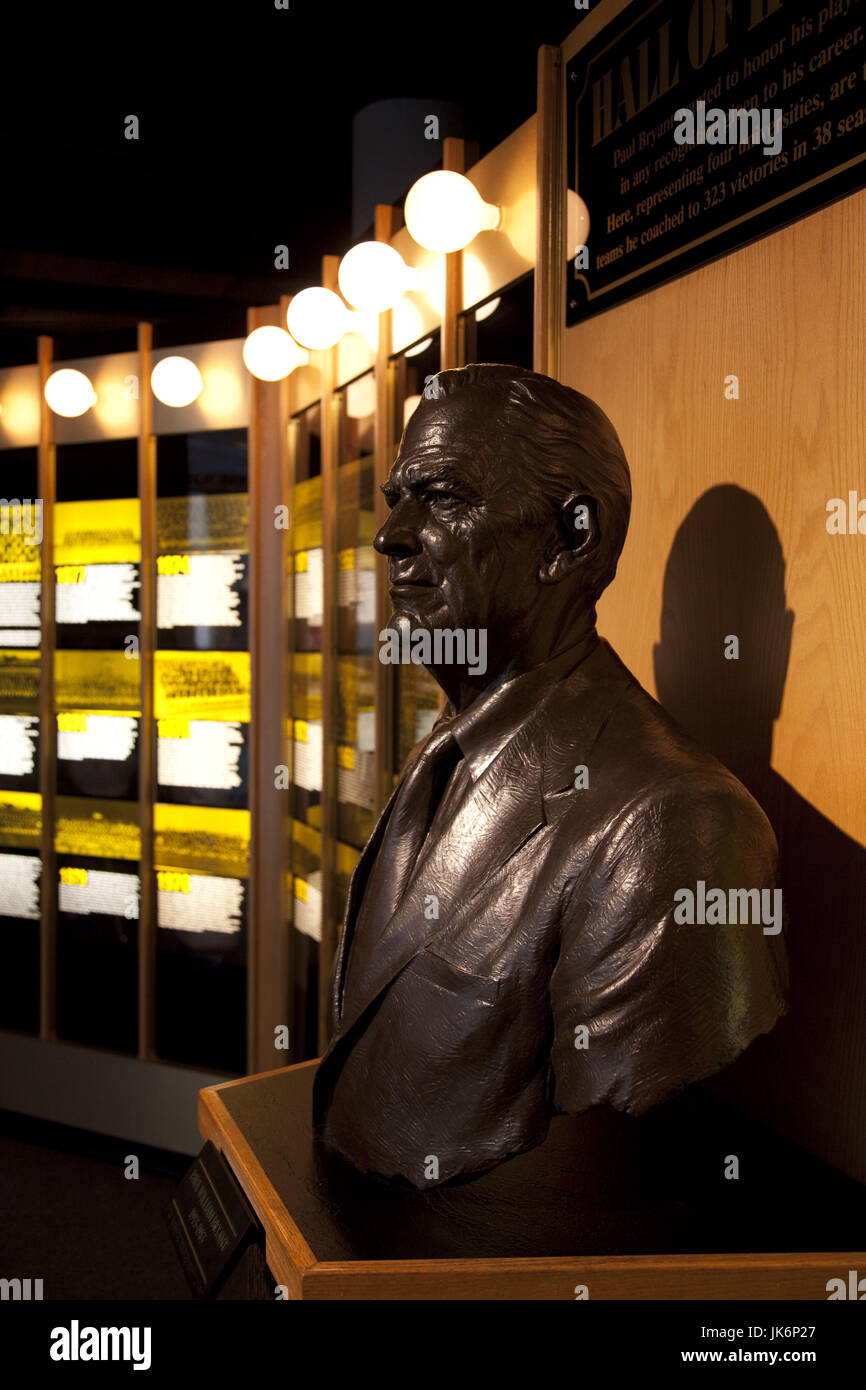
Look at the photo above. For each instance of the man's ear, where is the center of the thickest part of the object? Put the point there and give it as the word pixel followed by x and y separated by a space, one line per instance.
pixel 577 536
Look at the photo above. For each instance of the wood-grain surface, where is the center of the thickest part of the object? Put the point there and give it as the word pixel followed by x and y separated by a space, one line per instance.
pixel 627 1207
pixel 728 537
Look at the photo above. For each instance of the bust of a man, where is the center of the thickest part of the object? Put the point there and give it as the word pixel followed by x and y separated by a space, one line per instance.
pixel 566 902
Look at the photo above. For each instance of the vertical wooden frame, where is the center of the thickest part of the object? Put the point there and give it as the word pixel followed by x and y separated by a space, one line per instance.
pixel 147 732
pixel 550 247
pixel 454 156
pixel 299 1003
pixel 47 718
pixel 330 445
pixel 267 939
pixel 383 676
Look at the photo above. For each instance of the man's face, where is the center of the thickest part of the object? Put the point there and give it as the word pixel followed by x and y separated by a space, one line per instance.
pixel 459 556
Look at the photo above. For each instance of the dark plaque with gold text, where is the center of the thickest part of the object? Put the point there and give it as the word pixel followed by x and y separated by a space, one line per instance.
pixel 695 126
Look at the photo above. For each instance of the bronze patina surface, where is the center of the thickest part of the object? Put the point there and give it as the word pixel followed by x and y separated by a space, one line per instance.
pixel 566 902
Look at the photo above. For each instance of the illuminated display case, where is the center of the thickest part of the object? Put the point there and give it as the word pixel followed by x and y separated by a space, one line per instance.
pixel 97 555
pixel 20 802
pixel 175 858
pixel 356 617
pixel 201 823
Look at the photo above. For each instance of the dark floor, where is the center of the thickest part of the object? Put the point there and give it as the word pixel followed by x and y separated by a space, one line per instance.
pixel 71 1218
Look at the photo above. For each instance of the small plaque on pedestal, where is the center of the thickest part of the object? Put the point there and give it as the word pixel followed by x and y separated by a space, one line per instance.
pixel 211 1223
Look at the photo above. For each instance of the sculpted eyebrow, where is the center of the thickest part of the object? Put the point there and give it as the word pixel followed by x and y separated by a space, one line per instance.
pixel 417 478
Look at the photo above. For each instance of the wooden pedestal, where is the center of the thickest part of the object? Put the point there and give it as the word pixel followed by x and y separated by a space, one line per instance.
pixel 625 1208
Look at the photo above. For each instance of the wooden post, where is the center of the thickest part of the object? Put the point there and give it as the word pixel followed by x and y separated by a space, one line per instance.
pixel 453 159
pixel 146 733
pixel 550 247
pixel 47 717
pixel 267 940
pixel 383 676
pixel 330 445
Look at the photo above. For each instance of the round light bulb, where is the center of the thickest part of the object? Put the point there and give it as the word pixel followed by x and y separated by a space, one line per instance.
pixel 373 276
pixel 270 354
pixel 69 393
pixel 444 211
pixel 176 381
pixel 317 318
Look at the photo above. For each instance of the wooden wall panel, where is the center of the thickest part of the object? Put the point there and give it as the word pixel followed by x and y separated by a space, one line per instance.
pixel 728 535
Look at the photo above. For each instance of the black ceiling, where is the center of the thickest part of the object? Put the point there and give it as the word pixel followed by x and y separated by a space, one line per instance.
pixel 245 118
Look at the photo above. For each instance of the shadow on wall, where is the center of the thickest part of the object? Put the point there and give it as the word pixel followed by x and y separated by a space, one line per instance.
pixel 725 576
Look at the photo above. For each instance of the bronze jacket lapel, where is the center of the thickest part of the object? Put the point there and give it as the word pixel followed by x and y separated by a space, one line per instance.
pixel 500 812
pixel 503 809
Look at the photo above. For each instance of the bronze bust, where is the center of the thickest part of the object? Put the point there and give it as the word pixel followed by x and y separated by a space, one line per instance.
pixel 566 902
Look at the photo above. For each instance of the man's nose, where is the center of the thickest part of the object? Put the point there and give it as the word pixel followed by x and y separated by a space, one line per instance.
pixel 399 533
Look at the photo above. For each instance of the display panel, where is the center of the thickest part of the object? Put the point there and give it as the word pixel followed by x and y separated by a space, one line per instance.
pixel 20 899
pixel 356 616
pixel 21 526
pixel 97 694
pixel 202 761
pixel 97 945
pixel 202 567
pixel 304 755
pixel 201 822
pixel 97 550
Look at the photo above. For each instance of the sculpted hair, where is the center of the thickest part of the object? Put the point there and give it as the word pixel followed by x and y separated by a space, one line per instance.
pixel 560 442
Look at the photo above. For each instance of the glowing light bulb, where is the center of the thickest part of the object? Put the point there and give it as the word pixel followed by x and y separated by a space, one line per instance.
pixel 176 381
pixel 444 211
pixel 373 276
pixel 317 318
pixel 69 393
pixel 271 354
